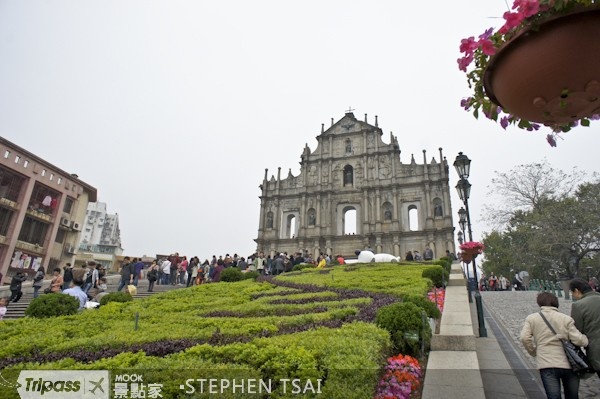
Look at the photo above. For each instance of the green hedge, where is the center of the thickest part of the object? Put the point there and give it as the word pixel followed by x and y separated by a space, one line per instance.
pixel 52 305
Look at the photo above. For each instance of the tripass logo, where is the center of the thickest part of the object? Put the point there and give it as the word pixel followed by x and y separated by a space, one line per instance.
pixel 64 384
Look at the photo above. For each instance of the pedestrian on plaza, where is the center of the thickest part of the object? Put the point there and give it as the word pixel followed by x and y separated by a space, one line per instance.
pixel 428 253
pixel 152 276
pixel 259 263
pixel 192 271
pixel 166 269
pixel 15 286
pixel 174 266
pixel 68 276
pixel 493 282
pixel 216 273
pixel 127 273
pixel 76 291
pixel 183 271
pixel 546 346
pixel 56 283
pixel 585 310
pixel 3 305
pixel 38 281
pixel 503 281
pixel 138 266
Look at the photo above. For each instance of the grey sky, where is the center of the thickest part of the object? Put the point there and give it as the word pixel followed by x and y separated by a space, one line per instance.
pixel 173 109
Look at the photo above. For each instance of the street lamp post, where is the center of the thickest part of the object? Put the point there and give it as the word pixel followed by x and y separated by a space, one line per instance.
pixel 462 222
pixel 462 163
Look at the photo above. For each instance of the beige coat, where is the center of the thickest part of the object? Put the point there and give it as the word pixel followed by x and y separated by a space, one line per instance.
pixel 543 344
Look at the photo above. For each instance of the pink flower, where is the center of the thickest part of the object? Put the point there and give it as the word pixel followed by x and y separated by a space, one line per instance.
pixel 464 62
pixel 467 46
pixel 487 47
pixel 504 121
pixel 513 19
pixel 527 7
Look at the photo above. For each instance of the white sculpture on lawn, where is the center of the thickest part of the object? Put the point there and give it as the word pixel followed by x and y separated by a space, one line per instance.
pixel 367 256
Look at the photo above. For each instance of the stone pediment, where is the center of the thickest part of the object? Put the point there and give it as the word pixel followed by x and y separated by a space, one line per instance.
pixel 348 124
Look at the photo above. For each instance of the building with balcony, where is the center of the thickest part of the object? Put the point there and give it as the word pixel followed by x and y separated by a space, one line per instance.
pixel 100 236
pixel 42 210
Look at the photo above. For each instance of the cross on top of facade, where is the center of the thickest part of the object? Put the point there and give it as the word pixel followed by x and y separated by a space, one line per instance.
pixel 350 109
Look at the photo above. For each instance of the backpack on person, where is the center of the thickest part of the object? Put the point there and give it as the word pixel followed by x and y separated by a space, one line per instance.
pixel 88 278
pixel 153 275
pixel 38 276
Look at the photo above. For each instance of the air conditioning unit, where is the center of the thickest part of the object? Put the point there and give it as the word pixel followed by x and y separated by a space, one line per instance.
pixel 75 226
pixel 65 222
pixel 70 249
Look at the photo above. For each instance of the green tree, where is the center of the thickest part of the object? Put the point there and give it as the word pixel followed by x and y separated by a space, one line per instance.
pixel 549 224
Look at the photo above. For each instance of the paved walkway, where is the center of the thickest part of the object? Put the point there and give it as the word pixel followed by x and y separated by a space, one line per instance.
pixel 505 313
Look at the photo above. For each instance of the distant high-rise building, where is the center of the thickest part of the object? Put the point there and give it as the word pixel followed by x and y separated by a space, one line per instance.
pixel 100 236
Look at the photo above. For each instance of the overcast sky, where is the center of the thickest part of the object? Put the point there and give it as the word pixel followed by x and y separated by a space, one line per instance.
pixel 173 109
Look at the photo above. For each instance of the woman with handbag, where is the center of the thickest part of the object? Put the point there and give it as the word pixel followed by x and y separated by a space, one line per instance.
pixel 545 344
pixel 56 283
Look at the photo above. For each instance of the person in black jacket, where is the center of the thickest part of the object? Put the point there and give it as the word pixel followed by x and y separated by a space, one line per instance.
pixel 68 276
pixel 15 287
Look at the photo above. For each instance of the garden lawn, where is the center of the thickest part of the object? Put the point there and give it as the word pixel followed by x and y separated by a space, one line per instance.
pixel 314 327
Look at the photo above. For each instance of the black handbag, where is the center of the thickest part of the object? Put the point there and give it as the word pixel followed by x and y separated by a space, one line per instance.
pixel 576 357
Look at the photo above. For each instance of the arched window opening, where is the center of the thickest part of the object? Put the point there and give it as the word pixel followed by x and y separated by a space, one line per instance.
pixel 413 218
pixel 438 209
pixel 290 230
pixel 348 175
pixel 312 217
pixel 270 220
pixel 349 221
pixel 387 212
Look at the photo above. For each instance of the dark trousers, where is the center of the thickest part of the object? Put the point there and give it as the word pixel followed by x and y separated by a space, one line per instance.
pixel 15 295
pixel 552 379
pixel 150 285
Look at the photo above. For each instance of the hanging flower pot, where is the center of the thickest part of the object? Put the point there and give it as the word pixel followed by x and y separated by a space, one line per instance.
pixel 550 75
pixel 542 67
pixel 466 257
pixel 470 250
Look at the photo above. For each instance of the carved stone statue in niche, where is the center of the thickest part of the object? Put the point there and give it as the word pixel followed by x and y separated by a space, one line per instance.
pixel 387 214
pixel 325 176
pixel 384 168
pixel 312 175
pixel 270 220
pixel 312 217
pixel 371 167
pixel 348 146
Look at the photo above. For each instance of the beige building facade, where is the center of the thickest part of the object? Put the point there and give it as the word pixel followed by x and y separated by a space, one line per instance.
pixel 353 193
pixel 42 209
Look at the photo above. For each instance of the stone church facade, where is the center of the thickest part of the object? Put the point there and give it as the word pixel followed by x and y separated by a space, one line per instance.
pixel 354 178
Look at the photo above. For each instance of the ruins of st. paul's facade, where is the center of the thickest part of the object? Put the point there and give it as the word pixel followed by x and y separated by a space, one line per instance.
pixel 353 193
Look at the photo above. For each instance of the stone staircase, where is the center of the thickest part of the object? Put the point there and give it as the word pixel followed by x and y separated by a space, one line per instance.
pixel 17 310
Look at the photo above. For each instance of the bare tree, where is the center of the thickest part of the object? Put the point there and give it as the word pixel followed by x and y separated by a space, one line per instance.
pixel 525 188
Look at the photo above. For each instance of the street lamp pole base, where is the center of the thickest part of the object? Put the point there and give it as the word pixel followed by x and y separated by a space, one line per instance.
pixel 480 319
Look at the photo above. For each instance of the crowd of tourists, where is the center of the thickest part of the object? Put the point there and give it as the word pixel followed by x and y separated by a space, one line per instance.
pixel 183 271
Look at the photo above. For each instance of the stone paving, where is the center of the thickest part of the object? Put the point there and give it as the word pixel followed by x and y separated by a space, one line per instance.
pixel 509 309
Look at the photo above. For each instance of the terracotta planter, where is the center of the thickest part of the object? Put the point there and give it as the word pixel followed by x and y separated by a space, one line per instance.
pixel 551 75
pixel 466 257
